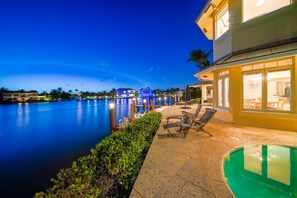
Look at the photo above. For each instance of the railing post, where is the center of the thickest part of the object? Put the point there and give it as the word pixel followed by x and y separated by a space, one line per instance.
pixel 112 118
pixel 132 108
pixel 153 105
pixel 165 101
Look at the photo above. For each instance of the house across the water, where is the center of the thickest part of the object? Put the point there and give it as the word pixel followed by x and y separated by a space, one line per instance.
pixel 22 96
pixel 125 93
pixel 255 55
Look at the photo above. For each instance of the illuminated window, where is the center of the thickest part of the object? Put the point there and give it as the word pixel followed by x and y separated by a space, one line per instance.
pixel 226 92
pixel 268 88
pixel 252 91
pixel 220 92
pixel 223 89
pixel 279 90
pixel 256 8
pixel 222 22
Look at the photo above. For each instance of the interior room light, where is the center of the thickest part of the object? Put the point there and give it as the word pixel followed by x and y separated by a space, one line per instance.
pixel 260 3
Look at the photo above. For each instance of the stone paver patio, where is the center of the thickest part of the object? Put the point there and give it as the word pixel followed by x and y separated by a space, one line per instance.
pixel 193 167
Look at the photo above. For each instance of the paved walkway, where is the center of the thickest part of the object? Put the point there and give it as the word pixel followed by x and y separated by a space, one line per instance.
pixel 193 167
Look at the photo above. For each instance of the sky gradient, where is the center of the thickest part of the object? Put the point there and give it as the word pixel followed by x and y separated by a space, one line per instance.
pixel 98 45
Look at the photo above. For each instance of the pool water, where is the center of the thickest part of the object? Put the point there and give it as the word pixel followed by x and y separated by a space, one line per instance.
pixel 262 171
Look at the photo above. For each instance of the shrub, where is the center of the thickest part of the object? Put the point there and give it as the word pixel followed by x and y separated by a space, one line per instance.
pixel 197 100
pixel 112 167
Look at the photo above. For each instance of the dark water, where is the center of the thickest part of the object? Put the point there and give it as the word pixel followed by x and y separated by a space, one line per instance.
pixel 36 140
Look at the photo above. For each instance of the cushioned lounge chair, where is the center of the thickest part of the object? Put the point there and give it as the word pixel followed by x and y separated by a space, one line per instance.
pixel 192 123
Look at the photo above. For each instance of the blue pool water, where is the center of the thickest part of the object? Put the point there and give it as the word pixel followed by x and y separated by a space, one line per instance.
pixel 262 171
pixel 38 139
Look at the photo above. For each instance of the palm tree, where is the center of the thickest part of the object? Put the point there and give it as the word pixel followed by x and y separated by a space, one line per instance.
pixel 200 58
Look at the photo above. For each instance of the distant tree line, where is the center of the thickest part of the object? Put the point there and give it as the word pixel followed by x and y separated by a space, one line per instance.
pixel 60 94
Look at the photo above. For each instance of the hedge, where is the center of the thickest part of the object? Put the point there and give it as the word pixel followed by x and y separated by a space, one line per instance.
pixel 112 167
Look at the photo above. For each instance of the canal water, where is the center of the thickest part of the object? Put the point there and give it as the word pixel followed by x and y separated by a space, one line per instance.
pixel 38 139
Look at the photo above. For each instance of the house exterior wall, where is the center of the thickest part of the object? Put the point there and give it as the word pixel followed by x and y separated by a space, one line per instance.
pixel 222 45
pixel 224 40
pixel 236 114
pixel 272 27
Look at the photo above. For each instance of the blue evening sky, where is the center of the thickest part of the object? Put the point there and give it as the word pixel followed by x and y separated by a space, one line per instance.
pixel 98 45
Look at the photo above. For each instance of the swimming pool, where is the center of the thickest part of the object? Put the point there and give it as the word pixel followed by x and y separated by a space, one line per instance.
pixel 262 171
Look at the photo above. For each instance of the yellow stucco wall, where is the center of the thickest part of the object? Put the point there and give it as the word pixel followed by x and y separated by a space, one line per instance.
pixel 276 120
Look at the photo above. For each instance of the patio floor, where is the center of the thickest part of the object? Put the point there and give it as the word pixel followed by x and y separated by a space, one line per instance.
pixel 193 167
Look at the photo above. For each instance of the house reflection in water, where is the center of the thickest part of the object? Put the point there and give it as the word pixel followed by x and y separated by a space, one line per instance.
pixel 262 171
pixel 272 162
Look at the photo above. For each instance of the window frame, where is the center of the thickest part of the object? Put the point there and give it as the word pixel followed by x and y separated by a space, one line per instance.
pixel 262 15
pixel 262 91
pixel 225 8
pixel 264 72
pixel 223 77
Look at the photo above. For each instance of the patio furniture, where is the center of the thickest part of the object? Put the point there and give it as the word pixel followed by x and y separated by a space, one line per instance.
pixel 192 123
pixel 185 115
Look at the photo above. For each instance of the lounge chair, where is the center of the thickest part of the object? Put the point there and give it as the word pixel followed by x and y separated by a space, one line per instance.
pixel 185 115
pixel 192 123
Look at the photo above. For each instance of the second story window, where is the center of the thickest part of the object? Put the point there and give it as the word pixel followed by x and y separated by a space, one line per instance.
pixel 256 8
pixel 222 21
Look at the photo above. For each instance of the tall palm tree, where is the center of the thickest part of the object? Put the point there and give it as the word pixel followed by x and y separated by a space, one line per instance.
pixel 200 58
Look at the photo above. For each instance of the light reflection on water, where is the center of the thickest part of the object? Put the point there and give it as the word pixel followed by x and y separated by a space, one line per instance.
pixel 36 140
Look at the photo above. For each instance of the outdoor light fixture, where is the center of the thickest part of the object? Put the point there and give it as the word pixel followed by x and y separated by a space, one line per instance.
pixel 144 100
pixel 159 98
pixel 165 98
pixel 111 105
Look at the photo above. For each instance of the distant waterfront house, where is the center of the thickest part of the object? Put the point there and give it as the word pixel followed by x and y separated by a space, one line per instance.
pixel 125 93
pixel 206 91
pixel 255 55
pixel 145 92
pixel 14 96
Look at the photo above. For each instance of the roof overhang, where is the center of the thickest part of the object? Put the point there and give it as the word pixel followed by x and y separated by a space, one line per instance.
pixel 201 84
pixel 247 57
pixel 205 18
